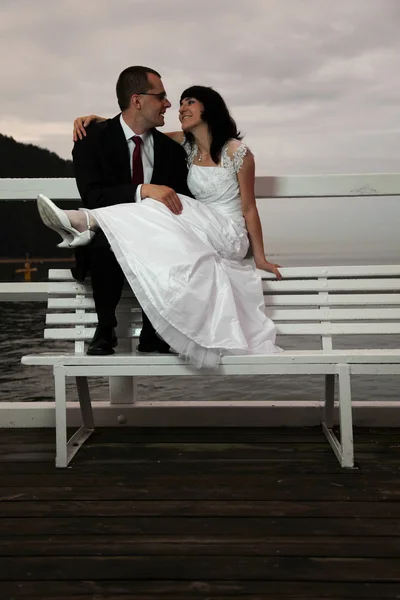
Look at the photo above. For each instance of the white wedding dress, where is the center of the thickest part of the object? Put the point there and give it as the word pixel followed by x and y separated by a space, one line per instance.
pixel 186 269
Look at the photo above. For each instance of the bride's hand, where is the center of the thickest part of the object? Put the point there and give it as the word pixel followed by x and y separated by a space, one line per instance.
pixel 265 265
pixel 80 125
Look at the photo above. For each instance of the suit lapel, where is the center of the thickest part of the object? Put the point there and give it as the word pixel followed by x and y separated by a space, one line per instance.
pixel 117 150
pixel 159 156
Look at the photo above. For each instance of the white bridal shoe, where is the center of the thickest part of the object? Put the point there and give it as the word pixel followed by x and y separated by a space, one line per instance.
pixel 56 219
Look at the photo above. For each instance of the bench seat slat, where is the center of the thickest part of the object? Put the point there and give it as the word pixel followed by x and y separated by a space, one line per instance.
pixel 331 299
pixel 74 288
pixel 333 314
pixel 377 314
pixel 81 319
pixel 296 356
pixel 327 329
pixel 284 286
pixel 336 271
pixel 87 303
pixel 331 285
pixel 85 333
pixel 76 303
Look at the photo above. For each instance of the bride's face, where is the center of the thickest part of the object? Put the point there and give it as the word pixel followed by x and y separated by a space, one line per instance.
pixel 190 113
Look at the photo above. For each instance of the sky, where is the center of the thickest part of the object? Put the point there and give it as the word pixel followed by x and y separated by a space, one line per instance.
pixel 313 84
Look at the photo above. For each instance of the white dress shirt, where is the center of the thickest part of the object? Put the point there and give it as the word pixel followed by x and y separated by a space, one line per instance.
pixel 146 152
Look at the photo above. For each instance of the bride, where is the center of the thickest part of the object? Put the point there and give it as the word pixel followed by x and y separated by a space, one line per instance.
pixel 184 262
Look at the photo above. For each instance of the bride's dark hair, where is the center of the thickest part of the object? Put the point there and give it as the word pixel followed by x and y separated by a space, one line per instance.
pixel 216 115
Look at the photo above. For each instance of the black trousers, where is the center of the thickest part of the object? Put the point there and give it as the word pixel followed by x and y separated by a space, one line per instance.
pixel 107 283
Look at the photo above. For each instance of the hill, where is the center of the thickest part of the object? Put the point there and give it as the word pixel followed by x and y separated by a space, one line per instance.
pixel 27 160
pixel 21 230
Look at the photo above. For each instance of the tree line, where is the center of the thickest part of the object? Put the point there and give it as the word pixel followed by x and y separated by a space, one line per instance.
pixel 27 160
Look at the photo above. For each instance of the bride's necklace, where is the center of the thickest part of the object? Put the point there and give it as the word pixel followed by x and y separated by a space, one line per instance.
pixel 201 156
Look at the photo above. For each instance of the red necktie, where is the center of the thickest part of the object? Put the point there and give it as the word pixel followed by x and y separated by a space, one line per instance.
pixel 137 165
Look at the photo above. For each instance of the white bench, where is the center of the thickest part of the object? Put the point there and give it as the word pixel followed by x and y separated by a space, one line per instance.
pixel 317 302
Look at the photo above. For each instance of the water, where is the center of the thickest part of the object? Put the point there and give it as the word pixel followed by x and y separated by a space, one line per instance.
pixel 21 332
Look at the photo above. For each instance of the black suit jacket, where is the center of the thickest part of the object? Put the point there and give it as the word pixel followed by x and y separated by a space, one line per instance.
pixel 103 175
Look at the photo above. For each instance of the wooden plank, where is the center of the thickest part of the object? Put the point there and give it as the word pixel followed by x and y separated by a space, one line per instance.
pixel 20 442
pixel 198 589
pixel 20 506
pixel 109 433
pixel 200 526
pixel 206 450
pixel 92 482
pixel 139 435
pixel 306 464
pixel 177 465
pixel 220 451
pixel 126 545
pixel 326 464
pixel 181 451
pixel 204 567
pixel 195 434
pixel 23 438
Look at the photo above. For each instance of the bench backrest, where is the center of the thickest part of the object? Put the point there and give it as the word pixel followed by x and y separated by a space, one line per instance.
pixel 321 303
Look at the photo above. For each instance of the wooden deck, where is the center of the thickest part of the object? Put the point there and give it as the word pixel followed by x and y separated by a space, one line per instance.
pixel 191 514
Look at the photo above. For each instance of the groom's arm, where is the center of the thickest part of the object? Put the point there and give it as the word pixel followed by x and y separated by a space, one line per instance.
pixel 91 180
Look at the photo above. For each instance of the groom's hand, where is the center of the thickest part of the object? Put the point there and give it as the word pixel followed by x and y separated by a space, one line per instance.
pixel 163 194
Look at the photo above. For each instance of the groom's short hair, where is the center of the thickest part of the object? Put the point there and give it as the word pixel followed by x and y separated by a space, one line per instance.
pixel 133 80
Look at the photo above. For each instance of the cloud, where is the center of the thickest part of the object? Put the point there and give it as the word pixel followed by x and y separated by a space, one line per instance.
pixel 313 83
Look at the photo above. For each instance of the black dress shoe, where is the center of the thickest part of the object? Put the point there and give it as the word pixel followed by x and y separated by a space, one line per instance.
pixel 103 342
pixel 154 344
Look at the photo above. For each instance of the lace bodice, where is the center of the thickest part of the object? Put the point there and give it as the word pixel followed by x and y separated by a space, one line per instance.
pixel 219 185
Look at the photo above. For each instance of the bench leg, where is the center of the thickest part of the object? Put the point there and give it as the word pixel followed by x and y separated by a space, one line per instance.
pixel 329 399
pixel 344 450
pixel 346 416
pixel 61 416
pixel 84 401
pixel 66 449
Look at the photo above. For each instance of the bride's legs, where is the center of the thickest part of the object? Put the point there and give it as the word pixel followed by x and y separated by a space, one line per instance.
pixel 78 220
pixel 76 227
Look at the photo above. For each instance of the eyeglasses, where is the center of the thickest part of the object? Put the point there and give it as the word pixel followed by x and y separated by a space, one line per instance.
pixel 160 95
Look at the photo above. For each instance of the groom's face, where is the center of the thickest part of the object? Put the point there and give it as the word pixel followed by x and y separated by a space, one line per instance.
pixel 154 103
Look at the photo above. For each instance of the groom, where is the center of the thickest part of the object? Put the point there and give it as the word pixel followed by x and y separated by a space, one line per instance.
pixel 125 159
